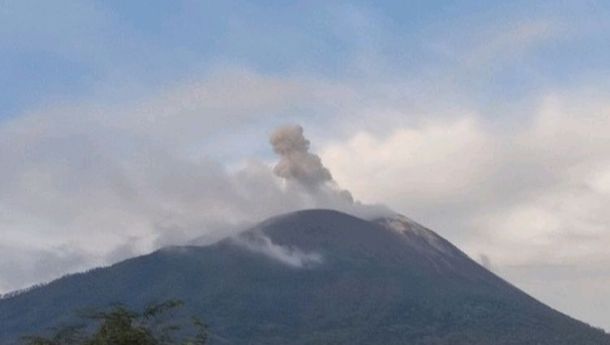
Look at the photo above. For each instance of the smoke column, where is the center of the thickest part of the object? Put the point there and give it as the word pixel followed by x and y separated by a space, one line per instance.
pixel 299 165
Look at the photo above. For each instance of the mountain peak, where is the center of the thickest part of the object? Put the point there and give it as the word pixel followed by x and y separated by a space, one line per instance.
pixel 316 277
pixel 337 234
pixel 330 233
pixel 418 236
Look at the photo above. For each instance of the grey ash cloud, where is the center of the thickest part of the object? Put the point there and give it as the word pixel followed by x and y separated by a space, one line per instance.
pixel 297 164
pixel 305 174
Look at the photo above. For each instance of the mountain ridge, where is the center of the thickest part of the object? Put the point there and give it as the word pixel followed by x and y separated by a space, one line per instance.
pixel 342 280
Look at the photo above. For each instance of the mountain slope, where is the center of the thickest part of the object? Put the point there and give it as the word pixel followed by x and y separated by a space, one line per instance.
pixel 316 277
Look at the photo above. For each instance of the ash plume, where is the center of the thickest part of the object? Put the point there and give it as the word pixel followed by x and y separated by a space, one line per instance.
pixel 298 165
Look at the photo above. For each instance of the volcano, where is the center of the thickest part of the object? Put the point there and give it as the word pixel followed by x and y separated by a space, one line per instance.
pixel 315 277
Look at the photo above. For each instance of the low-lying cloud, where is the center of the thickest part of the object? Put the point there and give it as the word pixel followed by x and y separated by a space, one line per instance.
pixel 113 182
pixel 289 256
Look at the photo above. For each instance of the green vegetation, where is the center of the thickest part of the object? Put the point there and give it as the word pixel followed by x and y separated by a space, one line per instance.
pixel 155 325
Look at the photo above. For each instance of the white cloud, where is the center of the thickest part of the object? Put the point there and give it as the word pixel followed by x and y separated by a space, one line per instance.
pixel 528 197
pixel 26 265
pixel 421 162
pixel 537 190
pixel 289 256
pixel 93 178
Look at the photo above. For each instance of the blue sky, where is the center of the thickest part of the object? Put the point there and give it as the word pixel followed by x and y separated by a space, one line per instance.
pixel 485 120
pixel 74 49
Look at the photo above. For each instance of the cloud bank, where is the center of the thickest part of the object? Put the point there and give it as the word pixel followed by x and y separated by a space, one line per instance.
pixel 529 195
pixel 539 189
pixel 88 185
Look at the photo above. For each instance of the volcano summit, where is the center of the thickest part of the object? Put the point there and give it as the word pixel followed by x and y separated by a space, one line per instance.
pixel 315 277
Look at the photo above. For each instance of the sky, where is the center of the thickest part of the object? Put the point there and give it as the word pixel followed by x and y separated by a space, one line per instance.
pixel 129 125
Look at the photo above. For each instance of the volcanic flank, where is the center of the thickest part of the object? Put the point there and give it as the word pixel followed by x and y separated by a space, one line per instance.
pixel 315 277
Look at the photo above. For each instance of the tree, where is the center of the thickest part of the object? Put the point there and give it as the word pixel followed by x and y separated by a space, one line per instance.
pixel 122 326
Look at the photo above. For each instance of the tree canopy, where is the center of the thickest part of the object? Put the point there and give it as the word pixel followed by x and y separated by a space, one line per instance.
pixel 157 324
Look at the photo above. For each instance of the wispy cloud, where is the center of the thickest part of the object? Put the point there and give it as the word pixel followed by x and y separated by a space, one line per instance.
pixel 289 256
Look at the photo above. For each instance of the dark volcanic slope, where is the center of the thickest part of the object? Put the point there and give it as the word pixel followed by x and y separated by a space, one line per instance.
pixel 316 277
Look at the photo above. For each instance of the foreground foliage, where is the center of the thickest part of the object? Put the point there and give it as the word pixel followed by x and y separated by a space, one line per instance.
pixel 158 324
